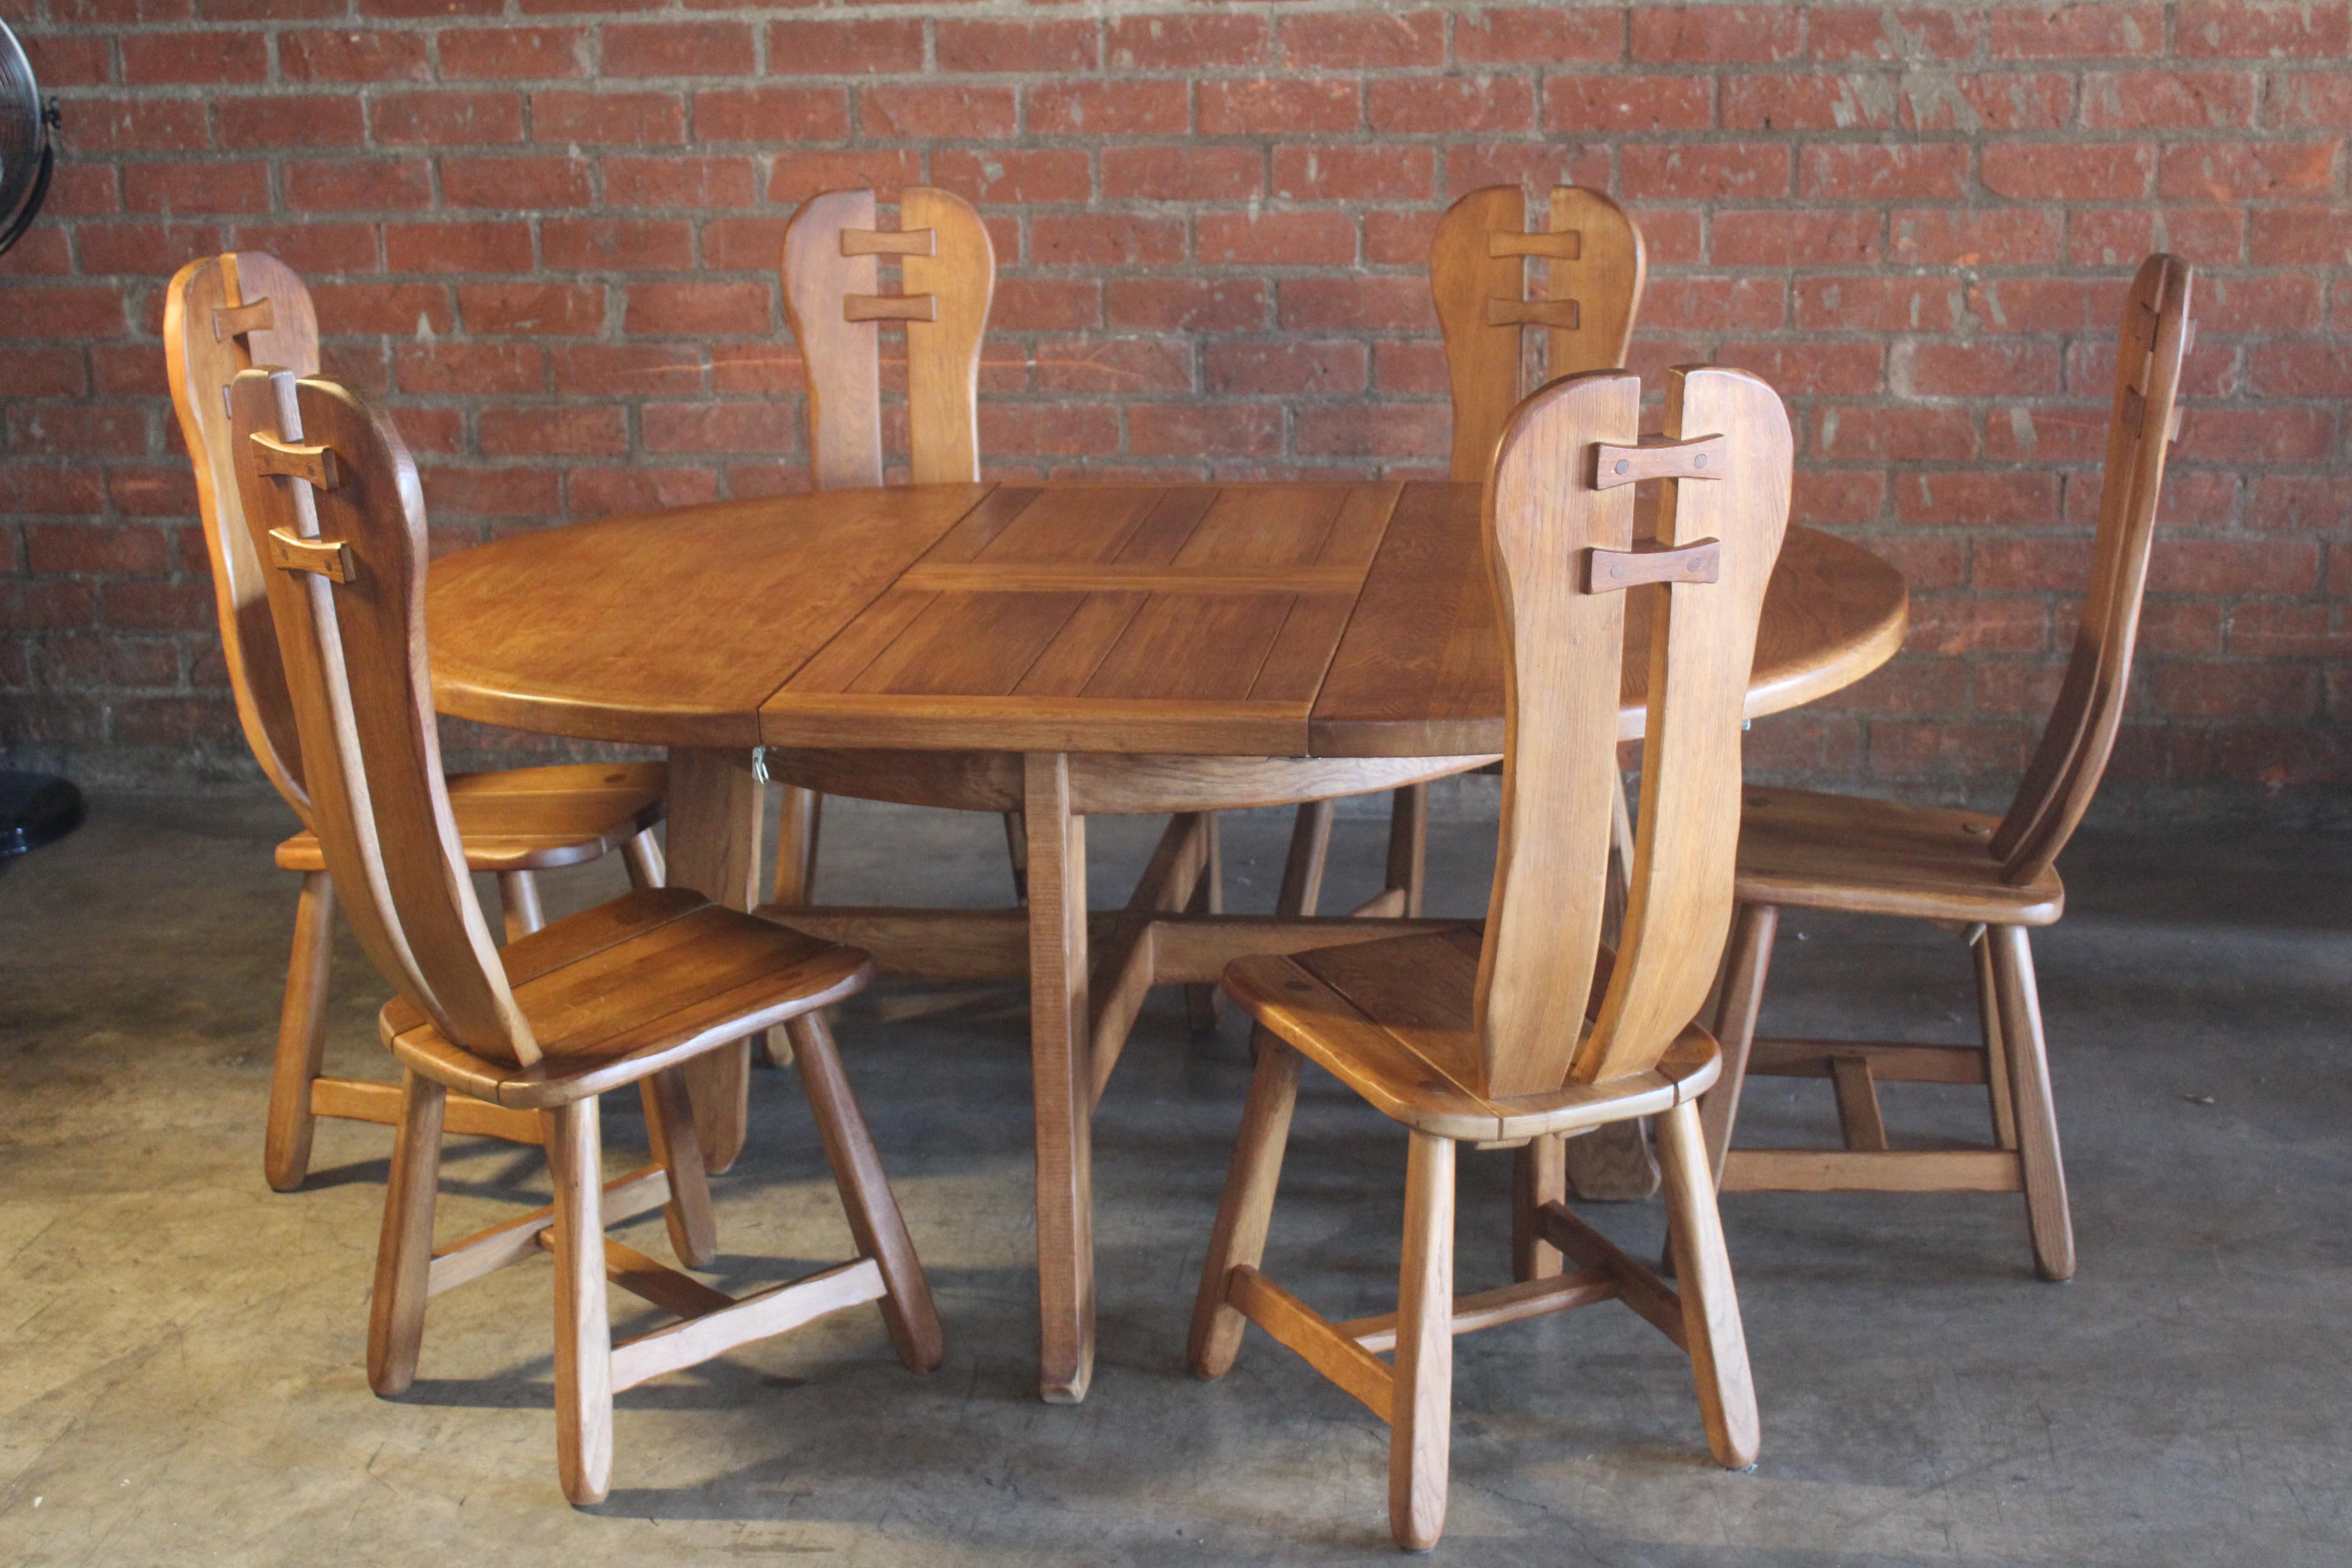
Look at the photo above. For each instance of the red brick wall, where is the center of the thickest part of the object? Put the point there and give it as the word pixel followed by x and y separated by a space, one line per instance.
pixel 546 234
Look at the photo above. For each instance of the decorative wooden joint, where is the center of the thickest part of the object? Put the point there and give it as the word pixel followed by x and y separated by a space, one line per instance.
pixel 1566 246
pixel 1562 313
pixel 889 308
pixel 1700 458
pixel 2132 410
pixel 2148 321
pixel 235 320
pixel 329 558
pixel 2172 428
pixel 875 242
pixel 315 464
pixel 1607 571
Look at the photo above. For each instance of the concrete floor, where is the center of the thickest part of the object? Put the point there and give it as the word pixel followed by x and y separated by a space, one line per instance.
pixel 180 1349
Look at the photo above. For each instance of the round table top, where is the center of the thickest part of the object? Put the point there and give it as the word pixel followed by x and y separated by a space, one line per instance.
pixel 1266 619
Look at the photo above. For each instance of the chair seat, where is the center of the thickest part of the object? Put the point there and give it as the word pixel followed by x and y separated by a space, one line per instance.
pixel 529 819
pixel 628 988
pixel 1392 1020
pixel 1805 850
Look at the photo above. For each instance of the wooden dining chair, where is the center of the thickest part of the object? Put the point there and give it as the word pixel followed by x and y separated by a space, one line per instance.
pixel 223 314
pixel 626 993
pixel 1532 1028
pixel 1988 880
pixel 831 278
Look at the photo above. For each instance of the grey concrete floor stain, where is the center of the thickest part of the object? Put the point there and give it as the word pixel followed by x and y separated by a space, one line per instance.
pixel 181 1375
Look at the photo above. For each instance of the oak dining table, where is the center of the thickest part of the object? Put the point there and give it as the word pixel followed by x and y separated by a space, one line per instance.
pixel 1058 651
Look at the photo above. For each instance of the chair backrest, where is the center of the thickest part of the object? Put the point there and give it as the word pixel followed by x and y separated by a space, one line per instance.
pixel 1559 540
pixel 2141 423
pixel 332 505
pixel 1477 270
pixel 223 314
pixel 831 275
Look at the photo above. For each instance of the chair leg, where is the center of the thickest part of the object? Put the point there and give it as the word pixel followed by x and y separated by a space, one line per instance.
pixel 1718 1347
pixel 2004 1105
pixel 669 1127
pixel 301 1038
pixel 404 1251
pixel 1016 848
pixel 2037 1119
pixel 1239 1237
pixel 519 897
pixel 1421 1420
pixel 643 857
pixel 1204 1001
pixel 1409 845
pixel 1539 1176
pixel 879 1229
pixel 1752 928
pixel 584 1332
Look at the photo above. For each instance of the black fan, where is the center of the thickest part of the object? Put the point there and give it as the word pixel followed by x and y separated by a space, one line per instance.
pixel 34 807
pixel 25 154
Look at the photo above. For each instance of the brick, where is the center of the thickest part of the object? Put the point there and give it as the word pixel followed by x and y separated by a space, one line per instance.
pixel 1126 365
pixel 2309 99
pixel 951 113
pixel 616 492
pixel 1704 171
pixel 1713 304
pixel 1009 47
pixel 627 370
pixel 2300 369
pixel 1050 304
pixel 2046 170
pixel 1278 106
pixel 525 492
pixel 87 430
pixel 40 255
pixel 1198 429
pixel 1024 428
pixel 2236 29
pixel 1365 172
pixel 767 369
pixel 677 49
pixel 2263 436
pixel 135 125
pixel 700 184
pixel 219 187
pixel 130 247
pixel 1328 367
pixel 2121 237
pixel 156 607
pixel 771 114
pixel 888 48
pixel 515 183
pixel 2229 172
pixel 1532 165
pixel 314 56
pixel 65 60
pixel 397 309
pixel 565 309
pixel 2006 101
pixel 2297 237
pixel 1266 238
pixel 46 373
pixel 2166 100
pixel 1810 370
pixel 672 308
pixel 66 310
pixel 1769 238
pixel 1715 35
pixel 1124 108
pixel 1912 35
pixel 1016 178
pixel 2095 31
pixel 2300 504
pixel 1105 239
pixel 444 119
pixel 456 247
pixel 2288 631
pixel 104 549
pixel 1543 37
pixel 1375 430
pixel 508 54
pixel 1186 304
pixel 1449 106
pixel 1355 304
pixel 1592 103
pixel 1186 43
pixel 1977 499
pixel 1357 40
pixel 1897 433
pixel 1980 368
pixel 276 120
pixel 568 430
pixel 1811 102
pixel 358 185
pixel 211 59
pixel 2237 691
pixel 795 177
pixel 1953 625
pixel 2264 305
pixel 479 369
pixel 620 119
pixel 1884 174
pixel 1993 236
pixel 1187 172
pixel 616 245
pixel 2018 434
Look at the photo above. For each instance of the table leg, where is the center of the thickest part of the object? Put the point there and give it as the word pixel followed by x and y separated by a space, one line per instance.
pixel 714 848
pixel 1061 1063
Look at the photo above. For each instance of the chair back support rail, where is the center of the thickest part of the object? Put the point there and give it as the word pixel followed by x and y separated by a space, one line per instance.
pixel 1559 537
pixel 223 314
pixel 330 500
pixel 832 280
pixel 1593 272
pixel 2064 772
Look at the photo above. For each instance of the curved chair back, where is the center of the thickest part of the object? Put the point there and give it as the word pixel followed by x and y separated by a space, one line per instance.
pixel 332 503
pixel 1477 270
pixel 1559 541
pixel 223 314
pixel 2141 423
pixel 832 276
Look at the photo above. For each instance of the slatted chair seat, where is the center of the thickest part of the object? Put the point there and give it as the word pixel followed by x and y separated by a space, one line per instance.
pixel 534 819
pixel 1807 850
pixel 630 987
pixel 1395 1021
